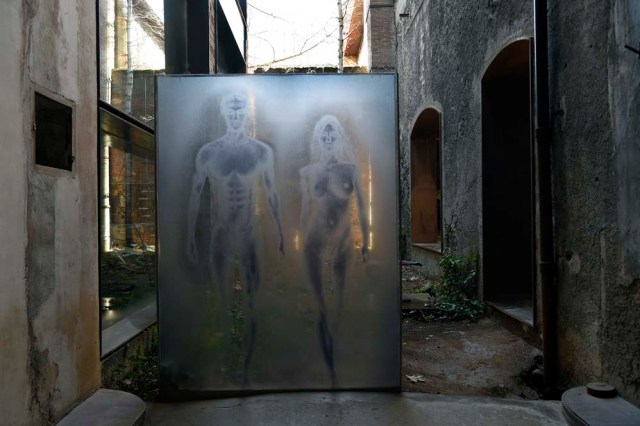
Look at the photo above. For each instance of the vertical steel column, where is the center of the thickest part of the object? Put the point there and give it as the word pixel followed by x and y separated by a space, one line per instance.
pixel 188 36
pixel 545 191
pixel 175 37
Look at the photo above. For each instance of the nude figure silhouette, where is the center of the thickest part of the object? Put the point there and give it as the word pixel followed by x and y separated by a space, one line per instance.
pixel 328 185
pixel 233 165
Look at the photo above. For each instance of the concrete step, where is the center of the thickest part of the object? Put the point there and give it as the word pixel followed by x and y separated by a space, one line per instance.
pixel 414 300
pixel 107 407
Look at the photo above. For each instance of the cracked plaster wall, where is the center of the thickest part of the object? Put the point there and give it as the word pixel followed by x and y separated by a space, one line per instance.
pixel 443 48
pixel 49 306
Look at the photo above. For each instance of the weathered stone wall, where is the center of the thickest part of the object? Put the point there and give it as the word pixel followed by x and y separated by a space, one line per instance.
pixel 621 365
pixel 49 306
pixel 443 48
pixel 595 102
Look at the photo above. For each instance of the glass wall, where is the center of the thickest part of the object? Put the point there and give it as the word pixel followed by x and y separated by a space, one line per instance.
pixel 131 54
pixel 131 34
pixel 127 230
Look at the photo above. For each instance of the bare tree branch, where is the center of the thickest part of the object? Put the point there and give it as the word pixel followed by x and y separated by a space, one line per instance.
pixel 151 24
pixel 273 50
pixel 302 52
pixel 269 14
pixel 322 30
pixel 344 11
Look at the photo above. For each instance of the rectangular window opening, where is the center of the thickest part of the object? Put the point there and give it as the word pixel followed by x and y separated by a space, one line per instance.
pixel 53 133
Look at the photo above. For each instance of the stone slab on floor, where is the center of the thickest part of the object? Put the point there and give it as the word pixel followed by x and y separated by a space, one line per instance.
pixel 356 408
pixel 107 407
pixel 414 300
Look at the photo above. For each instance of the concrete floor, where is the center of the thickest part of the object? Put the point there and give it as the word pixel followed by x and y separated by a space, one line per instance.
pixel 356 408
pixel 465 359
pixel 462 358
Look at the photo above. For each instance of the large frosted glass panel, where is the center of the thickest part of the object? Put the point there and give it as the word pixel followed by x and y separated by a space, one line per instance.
pixel 277 222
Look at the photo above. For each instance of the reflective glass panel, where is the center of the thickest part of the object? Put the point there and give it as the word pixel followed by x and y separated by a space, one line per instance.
pixel 128 284
pixel 131 50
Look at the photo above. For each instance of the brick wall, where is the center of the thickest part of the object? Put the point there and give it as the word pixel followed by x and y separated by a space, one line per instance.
pixel 142 201
pixel 382 35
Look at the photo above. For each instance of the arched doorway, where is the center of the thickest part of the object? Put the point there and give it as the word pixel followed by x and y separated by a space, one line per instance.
pixel 507 183
pixel 426 208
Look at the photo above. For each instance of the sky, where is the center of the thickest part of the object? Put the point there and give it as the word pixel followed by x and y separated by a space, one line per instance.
pixel 305 31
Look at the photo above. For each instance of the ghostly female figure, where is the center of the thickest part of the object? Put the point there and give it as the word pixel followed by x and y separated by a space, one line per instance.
pixel 328 185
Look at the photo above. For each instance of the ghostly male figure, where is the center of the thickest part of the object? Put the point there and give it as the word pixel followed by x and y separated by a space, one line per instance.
pixel 233 166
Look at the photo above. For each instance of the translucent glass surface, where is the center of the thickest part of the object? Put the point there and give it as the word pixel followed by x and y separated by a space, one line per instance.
pixel 277 223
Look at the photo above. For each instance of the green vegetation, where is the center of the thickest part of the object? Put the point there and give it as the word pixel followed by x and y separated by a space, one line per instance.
pixel 424 288
pixel 139 375
pixel 454 295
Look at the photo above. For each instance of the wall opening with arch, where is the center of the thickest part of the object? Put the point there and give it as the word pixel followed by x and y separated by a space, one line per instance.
pixel 426 201
pixel 508 252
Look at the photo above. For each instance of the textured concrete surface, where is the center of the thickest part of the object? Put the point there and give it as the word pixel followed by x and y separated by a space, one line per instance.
pixel 351 408
pixel 61 284
pixel 465 358
pixel 429 259
pixel 595 105
pixel 14 372
pixel 107 408
pixel 49 290
pixel 621 331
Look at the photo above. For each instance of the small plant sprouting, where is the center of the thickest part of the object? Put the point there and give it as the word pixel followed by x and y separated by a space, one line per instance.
pixel 455 292
pixel 140 375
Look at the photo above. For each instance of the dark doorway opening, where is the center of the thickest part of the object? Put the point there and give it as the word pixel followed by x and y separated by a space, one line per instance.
pixel 426 208
pixel 507 183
